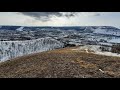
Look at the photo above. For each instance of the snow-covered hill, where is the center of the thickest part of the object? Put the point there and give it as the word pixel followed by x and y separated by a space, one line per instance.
pixel 108 31
pixel 12 49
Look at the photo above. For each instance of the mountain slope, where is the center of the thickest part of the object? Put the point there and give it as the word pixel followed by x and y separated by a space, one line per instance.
pixel 12 49
pixel 107 31
pixel 61 63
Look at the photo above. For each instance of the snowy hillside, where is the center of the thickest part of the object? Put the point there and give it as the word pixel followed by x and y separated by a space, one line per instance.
pixel 108 31
pixel 11 49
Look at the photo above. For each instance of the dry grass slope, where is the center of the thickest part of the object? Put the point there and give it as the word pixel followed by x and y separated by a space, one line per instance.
pixel 61 63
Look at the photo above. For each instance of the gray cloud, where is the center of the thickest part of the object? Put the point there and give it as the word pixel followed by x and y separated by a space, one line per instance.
pixel 69 14
pixel 45 16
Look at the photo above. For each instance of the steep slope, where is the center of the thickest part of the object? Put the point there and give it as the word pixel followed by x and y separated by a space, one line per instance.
pixel 12 49
pixel 61 63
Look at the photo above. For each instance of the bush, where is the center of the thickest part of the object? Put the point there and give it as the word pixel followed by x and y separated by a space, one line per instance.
pixel 70 45
pixel 103 48
pixel 115 49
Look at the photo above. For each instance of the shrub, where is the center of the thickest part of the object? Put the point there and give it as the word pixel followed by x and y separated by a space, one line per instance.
pixel 116 48
pixel 103 48
pixel 70 45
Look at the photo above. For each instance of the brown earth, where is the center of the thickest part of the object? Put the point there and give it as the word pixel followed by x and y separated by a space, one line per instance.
pixel 61 63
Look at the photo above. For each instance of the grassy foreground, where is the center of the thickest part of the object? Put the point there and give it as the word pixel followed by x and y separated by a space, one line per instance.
pixel 61 63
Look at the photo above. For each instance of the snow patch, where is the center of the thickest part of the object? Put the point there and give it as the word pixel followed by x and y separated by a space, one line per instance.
pixel 90 48
pixel 108 54
pixel 103 43
pixel 20 29
pixel 96 50
pixel 115 40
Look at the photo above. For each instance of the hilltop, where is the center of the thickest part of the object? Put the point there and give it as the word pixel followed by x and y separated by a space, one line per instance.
pixel 61 63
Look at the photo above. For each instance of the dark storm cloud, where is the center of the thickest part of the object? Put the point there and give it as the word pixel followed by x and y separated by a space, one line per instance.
pixel 41 14
pixel 45 16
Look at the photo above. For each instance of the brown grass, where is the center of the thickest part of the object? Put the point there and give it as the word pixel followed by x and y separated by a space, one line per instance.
pixel 61 63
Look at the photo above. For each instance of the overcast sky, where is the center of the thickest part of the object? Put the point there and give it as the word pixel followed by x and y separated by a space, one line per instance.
pixel 60 18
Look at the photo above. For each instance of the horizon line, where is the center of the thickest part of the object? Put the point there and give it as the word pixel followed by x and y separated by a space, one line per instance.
pixel 57 26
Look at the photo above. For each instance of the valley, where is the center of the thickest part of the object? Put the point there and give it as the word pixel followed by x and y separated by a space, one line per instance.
pixel 23 40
